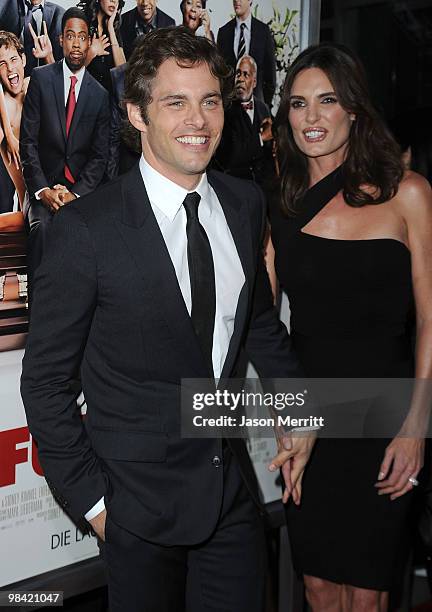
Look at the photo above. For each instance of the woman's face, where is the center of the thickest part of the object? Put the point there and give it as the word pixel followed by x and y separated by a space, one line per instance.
pixel 192 14
pixel 319 124
pixel 109 7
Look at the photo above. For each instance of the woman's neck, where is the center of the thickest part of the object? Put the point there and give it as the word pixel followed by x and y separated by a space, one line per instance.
pixel 319 167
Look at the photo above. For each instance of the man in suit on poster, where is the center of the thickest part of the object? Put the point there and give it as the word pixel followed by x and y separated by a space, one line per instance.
pixel 35 13
pixel 245 35
pixel 64 133
pixel 156 277
pixel 142 19
pixel 246 146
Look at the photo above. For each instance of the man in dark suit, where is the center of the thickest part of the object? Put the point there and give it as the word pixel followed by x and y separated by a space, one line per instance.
pixel 64 133
pixel 34 13
pixel 245 35
pixel 144 18
pixel 246 146
pixel 156 277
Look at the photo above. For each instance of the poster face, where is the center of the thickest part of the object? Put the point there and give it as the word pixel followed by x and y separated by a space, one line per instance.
pixel 35 532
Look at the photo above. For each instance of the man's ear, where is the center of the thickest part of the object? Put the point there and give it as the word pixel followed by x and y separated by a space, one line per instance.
pixel 135 117
pixel 24 59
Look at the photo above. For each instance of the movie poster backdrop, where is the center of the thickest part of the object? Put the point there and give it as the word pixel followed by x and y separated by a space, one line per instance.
pixel 36 536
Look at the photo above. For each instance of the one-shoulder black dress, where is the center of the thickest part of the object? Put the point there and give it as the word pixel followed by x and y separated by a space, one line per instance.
pixel 351 305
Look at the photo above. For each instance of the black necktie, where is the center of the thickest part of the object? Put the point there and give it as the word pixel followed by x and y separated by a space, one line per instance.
pixel 241 49
pixel 202 278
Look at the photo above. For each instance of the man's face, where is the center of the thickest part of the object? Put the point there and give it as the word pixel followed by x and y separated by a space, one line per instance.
pixel 11 70
pixel 185 122
pixel 146 9
pixel 245 80
pixel 242 8
pixel 75 42
pixel 36 2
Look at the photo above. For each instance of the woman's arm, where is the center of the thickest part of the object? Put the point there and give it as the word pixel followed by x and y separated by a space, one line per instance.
pixel 405 453
pixel 12 142
pixel 117 51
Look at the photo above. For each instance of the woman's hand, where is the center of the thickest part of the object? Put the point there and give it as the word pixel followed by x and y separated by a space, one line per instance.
pixel 111 22
pixel 205 21
pixel 99 45
pixel 293 456
pixel 403 460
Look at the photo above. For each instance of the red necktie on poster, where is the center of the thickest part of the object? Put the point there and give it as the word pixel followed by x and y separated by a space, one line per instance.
pixel 70 108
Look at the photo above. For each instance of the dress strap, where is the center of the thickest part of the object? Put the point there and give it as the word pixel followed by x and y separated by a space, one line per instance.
pixel 318 196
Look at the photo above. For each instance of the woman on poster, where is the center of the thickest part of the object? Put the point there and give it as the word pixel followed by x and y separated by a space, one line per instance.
pixel 106 50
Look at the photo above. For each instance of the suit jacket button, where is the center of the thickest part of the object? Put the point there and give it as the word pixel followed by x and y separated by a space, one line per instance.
pixel 216 461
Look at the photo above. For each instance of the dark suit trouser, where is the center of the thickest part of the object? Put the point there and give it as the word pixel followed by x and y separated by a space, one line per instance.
pixel 226 573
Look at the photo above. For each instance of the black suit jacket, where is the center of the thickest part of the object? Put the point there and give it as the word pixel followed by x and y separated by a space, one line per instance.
pixel 240 152
pixel 128 32
pixel 52 15
pixel 107 304
pixel 44 147
pixel 262 49
pixel 10 16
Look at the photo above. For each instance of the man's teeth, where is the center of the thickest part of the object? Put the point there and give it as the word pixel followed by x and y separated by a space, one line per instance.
pixel 11 77
pixel 314 133
pixel 193 140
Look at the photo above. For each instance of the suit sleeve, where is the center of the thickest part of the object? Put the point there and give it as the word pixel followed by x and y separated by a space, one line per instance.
pixel 34 175
pixel 56 32
pixel 269 75
pixel 93 172
pixel 64 302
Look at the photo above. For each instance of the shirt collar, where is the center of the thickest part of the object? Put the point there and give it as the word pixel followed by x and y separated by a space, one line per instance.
pixel 247 21
pixel 68 72
pixel 167 195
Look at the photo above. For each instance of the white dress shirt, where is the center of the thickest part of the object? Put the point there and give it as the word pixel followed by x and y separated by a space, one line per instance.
pixel 166 199
pixel 247 34
pixel 67 74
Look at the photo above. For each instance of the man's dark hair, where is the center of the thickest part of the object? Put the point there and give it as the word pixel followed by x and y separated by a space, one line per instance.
pixel 373 157
pixel 152 51
pixel 74 13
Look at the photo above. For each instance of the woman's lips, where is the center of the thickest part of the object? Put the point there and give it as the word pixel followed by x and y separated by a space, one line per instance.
pixel 314 134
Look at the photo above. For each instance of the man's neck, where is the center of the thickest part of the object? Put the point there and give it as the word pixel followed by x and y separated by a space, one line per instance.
pixel 244 17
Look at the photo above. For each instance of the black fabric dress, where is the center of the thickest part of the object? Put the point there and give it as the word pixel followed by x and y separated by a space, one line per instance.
pixel 351 305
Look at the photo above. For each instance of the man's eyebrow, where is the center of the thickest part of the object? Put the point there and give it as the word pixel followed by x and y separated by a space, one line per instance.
pixel 179 96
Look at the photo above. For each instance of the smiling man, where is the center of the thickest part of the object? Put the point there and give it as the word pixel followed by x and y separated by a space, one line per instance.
pixel 157 277
pixel 144 18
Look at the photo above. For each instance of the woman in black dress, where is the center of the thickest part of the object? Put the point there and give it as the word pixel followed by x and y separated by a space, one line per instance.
pixel 353 250
pixel 106 50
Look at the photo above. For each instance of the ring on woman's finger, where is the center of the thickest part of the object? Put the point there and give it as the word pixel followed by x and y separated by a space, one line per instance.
pixel 413 481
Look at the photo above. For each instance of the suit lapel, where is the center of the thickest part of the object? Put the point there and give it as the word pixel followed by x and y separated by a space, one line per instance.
pixel 238 221
pixel 143 238
pixel 58 84
pixel 48 12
